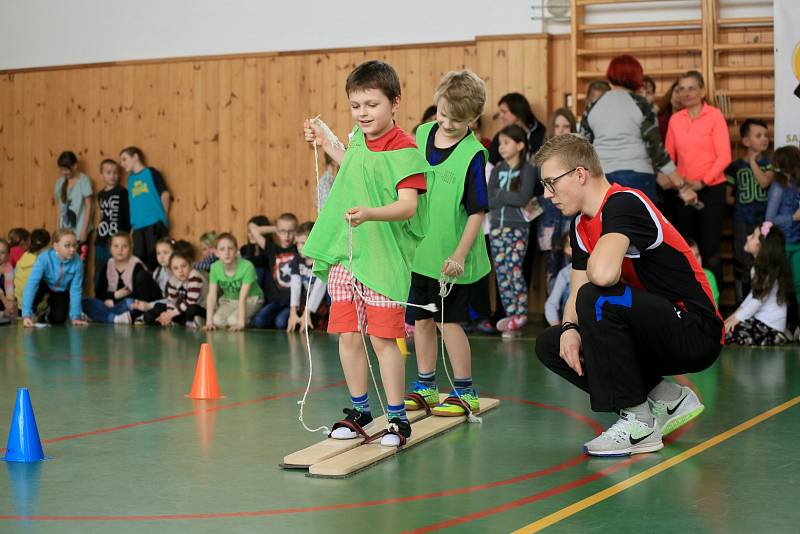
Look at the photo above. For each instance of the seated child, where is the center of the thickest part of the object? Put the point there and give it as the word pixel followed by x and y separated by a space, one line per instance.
pixel 8 303
pixel 278 274
pixel 554 306
pixel 252 251
pixel 186 293
pixel 18 240
pixel 761 318
pixel 712 280
pixel 57 275
pixel 39 240
pixel 302 277
pixel 207 241
pixel 121 280
pixel 236 277
pixel 164 250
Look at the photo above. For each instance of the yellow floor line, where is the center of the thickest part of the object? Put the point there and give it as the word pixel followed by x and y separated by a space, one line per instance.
pixel 602 495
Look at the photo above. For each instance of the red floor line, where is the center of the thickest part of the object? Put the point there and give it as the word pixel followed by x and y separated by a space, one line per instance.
pixel 682 379
pixel 217 408
pixel 334 507
pixel 527 500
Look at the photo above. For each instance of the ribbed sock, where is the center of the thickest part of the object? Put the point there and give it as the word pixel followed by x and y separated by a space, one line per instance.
pixel 396 410
pixel 427 379
pixel 665 391
pixel 463 385
pixel 361 403
pixel 642 413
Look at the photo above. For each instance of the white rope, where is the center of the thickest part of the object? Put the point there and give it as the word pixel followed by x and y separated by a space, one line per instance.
pixel 446 284
pixel 302 402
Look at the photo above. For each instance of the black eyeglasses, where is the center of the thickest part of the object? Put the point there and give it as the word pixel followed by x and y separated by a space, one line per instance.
pixel 550 183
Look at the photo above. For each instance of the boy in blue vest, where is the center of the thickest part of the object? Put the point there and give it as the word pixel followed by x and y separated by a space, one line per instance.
pixel 451 248
pixel 148 199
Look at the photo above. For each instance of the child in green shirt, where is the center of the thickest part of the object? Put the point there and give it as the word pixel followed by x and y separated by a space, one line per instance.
pixel 241 295
pixel 375 196
pixel 458 200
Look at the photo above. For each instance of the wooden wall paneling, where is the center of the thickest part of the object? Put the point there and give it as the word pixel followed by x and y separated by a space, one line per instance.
pixel 303 159
pixel 483 68
pixel 209 143
pixel 411 90
pixel 200 208
pixel 250 97
pixel 38 191
pixel 5 136
pixel 291 197
pixel 221 143
pixel 239 152
pixel 559 66
pixel 262 136
pixel 499 74
pixel 19 174
pixel 274 119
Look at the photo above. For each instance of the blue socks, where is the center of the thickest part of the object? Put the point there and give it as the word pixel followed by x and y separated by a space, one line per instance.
pixel 463 385
pixel 361 403
pixel 427 379
pixel 396 410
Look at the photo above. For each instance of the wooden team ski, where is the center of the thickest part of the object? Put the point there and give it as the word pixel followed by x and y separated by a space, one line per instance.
pixel 358 457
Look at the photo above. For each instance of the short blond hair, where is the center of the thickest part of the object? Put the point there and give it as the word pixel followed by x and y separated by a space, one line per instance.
pixel 464 92
pixel 571 150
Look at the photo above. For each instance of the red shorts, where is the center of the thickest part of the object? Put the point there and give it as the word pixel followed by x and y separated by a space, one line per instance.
pixel 381 319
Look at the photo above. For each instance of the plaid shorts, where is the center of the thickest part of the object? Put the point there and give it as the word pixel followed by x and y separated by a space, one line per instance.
pixel 379 317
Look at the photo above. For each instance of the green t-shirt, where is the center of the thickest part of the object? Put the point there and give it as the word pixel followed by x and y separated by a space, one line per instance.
pixel 712 282
pixel 232 285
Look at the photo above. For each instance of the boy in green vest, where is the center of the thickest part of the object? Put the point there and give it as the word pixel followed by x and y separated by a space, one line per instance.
pixel 376 194
pixel 458 200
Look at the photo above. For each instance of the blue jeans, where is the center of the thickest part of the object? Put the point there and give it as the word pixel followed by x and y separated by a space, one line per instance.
pixel 643 181
pixel 274 314
pixel 100 313
pixel 101 255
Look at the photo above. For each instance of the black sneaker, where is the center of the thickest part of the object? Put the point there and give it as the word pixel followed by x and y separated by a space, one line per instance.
pixel 351 426
pixel 399 432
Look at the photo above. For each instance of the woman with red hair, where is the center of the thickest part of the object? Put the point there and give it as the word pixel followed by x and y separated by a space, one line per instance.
pixel 624 131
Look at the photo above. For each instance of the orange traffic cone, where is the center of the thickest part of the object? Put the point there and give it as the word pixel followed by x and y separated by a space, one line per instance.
pixel 205 385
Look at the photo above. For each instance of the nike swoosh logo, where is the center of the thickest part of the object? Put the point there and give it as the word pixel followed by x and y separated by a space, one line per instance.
pixel 634 441
pixel 672 411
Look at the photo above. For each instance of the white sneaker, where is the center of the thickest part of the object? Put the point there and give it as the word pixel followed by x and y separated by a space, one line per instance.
pixel 670 416
pixel 123 318
pixel 625 437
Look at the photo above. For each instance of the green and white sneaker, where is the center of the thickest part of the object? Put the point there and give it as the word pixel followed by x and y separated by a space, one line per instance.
pixel 625 437
pixel 449 408
pixel 430 394
pixel 670 416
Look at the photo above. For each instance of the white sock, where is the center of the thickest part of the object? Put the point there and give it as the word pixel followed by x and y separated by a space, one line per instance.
pixel 665 391
pixel 642 413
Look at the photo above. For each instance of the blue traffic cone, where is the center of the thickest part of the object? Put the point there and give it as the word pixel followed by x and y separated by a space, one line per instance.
pixel 23 437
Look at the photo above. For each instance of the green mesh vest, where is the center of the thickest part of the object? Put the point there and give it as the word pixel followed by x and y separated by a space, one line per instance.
pixel 445 192
pixel 383 252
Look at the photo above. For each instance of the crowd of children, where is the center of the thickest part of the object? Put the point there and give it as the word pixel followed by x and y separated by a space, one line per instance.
pixel 141 275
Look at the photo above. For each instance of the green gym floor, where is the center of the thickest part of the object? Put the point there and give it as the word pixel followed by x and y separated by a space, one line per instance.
pixel 128 452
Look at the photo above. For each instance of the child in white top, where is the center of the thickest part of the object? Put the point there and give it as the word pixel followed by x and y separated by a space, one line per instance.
pixel 761 318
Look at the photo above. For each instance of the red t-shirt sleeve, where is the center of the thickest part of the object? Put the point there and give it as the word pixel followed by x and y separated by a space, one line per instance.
pixel 395 139
pixel 415 181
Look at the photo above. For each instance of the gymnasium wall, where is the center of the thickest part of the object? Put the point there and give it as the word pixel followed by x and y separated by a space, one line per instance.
pixel 226 131
pixel 37 33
